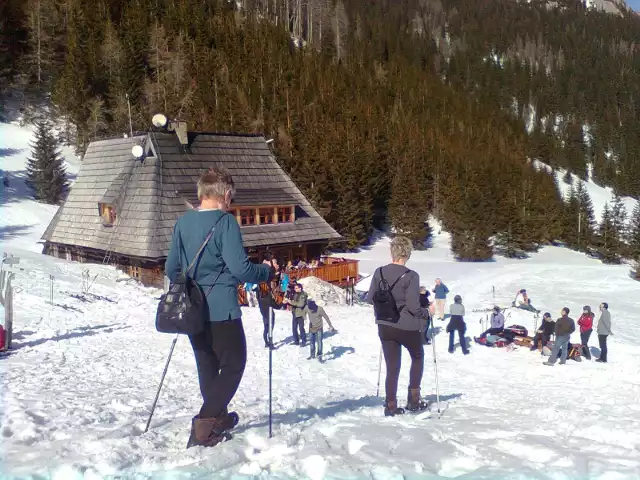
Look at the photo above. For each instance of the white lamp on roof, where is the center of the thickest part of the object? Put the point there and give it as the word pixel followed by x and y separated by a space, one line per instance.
pixel 159 120
pixel 137 151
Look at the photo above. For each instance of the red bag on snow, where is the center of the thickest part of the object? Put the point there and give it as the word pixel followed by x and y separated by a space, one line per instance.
pixel 3 338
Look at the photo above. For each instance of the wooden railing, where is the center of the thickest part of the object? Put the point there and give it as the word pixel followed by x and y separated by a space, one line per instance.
pixel 342 272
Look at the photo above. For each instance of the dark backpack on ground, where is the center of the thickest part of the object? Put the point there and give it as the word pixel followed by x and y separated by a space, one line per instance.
pixel 384 305
pixel 183 309
pixel 513 331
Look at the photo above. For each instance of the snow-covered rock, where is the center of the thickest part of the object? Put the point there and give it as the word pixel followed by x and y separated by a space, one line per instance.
pixel 323 293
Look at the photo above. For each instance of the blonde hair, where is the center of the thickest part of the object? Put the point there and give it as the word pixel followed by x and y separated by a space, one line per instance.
pixel 215 183
pixel 401 248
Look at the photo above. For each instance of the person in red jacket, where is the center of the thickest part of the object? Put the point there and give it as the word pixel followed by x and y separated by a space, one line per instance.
pixel 586 327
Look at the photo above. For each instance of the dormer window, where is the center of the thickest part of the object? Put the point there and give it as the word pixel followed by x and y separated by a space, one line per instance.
pixel 270 215
pixel 108 213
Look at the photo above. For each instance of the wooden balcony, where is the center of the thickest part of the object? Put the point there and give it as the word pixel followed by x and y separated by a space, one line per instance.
pixel 338 271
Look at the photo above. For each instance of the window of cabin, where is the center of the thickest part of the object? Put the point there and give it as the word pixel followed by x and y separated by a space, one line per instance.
pixel 247 217
pixel 108 213
pixel 285 214
pixel 266 216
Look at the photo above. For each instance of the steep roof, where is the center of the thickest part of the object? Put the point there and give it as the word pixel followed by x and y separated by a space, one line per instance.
pixel 150 194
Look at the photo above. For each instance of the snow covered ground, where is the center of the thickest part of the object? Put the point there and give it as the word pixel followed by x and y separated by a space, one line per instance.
pixel 76 391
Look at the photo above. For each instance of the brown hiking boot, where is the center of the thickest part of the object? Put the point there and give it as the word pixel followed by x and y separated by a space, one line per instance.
pixel 414 401
pixel 391 409
pixel 228 420
pixel 206 432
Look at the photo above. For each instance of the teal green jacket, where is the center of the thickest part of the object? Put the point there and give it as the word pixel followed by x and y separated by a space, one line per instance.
pixel 224 255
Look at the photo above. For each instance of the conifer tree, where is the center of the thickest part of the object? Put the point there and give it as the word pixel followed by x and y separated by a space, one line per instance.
pixel 586 218
pixel 633 238
pixel 46 173
pixel 619 219
pixel 607 238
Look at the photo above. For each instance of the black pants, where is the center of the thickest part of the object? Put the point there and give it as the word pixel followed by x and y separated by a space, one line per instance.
pixel 297 323
pixel 393 339
pixel 221 355
pixel 537 337
pixel 265 322
pixel 602 340
pixel 584 340
pixel 492 331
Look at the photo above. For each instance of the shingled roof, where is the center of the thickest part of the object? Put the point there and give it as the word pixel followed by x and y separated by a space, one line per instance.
pixel 151 193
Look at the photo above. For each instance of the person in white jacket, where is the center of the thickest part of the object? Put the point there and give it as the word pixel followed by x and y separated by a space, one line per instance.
pixel 604 330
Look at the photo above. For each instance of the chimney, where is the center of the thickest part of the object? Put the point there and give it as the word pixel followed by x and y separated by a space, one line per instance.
pixel 181 131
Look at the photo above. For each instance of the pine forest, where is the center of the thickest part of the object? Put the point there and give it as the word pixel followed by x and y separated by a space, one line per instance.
pixel 383 112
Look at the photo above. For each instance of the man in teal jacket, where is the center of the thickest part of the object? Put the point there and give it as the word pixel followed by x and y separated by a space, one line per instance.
pixel 220 350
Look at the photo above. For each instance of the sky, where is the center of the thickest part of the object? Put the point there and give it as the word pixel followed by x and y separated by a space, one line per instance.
pixel 635 4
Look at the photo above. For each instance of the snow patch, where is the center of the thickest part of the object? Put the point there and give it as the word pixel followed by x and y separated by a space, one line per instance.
pixel 323 293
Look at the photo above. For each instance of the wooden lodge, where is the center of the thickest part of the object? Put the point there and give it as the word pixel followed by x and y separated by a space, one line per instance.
pixel 130 191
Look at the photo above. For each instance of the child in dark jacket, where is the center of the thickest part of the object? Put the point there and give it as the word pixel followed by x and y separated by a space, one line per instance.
pixel 424 303
pixel 586 327
pixel 457 324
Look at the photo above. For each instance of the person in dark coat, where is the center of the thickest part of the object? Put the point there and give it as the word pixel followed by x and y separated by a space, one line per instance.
pixel 457 324
pixel 406 332
pixel 544 332
pixel 425 303
pixel 565 326
pixel 220 350
pixel 267 303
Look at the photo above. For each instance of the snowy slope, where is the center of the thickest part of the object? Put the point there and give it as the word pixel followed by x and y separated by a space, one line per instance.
pixel 76 391
pixel 599 195
pixel 22 219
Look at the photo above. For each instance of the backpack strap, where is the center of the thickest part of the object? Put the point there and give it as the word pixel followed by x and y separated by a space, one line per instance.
pixel 398 279
pixel 196 259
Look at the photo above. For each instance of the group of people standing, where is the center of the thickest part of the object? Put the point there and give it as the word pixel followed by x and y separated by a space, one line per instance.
pixel 565 326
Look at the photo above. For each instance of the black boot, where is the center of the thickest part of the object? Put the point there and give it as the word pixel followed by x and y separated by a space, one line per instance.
pixel 414 401
pixel 391 409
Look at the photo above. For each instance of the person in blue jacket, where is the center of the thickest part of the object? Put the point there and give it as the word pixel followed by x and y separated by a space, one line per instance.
pixel 220 350
pixel 440 291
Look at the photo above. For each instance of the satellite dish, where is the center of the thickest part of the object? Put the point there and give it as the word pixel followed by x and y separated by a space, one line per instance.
pixel 137 151
pixel 159 120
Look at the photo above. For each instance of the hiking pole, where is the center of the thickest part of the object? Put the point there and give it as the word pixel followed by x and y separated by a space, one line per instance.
pixel 270 319
pixel 379 370
pixel 166 367
pixel 435 364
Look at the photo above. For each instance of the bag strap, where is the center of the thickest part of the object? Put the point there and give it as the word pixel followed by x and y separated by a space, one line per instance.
pixel 196 259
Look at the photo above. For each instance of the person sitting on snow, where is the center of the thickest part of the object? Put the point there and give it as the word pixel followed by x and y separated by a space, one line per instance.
pixel 524 302
pixel 497 323
pixel 544 332
pixel 456 310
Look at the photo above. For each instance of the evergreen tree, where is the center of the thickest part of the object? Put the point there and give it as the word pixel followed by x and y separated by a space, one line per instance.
pixel 46 173
pixel 607 238
pixel 586 219
pixel 633 238
pixel 619 221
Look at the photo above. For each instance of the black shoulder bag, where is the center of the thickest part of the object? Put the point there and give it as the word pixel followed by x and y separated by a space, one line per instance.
pixel 183 309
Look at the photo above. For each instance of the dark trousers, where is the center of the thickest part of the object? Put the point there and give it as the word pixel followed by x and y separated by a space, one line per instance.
pixel 584 340
pixel 492 331
pixel 602 340
pixel 315 338
pixel 540 336
pixel 265 322
pixel 221 355
pixel 426 331
pixel 461 331
pixel 393 339
pixel 297 323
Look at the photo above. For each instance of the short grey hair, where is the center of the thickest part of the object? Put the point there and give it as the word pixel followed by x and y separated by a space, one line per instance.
pixel 401 248
pixel 215 183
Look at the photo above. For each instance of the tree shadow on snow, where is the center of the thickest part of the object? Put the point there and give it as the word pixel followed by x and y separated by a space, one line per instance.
pixel 9 152
pixel 20 334
pixel 11 231
pixel 75 333
pixel 328 410
pixel 443 398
